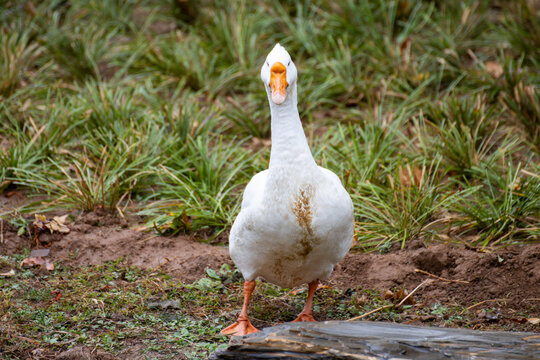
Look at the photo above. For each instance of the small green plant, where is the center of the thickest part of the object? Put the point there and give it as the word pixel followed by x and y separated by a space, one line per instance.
pixel 200 189
pixel 463 133
pixel 505 210
pixel 21 155
pixel 523 100
pixel 403 210
pixel 81 52
pixel 249 115
pixel 521 28
pixel 18 54
pixel 181 60
pixel 86 184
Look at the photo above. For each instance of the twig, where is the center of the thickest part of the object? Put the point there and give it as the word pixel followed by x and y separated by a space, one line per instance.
pixel 118 207
pixel 480 303
pixel 371 312
pixel 530 173
pixel 412 292
pixel 392 305
pixel 1 231
pixel 69 341
pixel 27 339
pixel 440 278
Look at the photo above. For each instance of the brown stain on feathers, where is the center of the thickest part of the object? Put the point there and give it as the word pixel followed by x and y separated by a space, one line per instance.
pixel 303 212
pixel 302 208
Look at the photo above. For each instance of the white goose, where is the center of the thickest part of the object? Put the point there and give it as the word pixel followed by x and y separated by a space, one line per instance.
pixel 296 220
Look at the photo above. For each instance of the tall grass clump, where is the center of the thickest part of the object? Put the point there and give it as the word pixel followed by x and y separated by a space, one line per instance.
pixel 80 52
pixel 404 208
pixel 199 193
pixel 505 210
pixel 18 55
pixel 85 183
pixel 521 28
pixel 465 134
pixel 520 94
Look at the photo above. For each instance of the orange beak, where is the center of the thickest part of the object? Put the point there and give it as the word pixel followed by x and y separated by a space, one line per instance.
pixel 278 82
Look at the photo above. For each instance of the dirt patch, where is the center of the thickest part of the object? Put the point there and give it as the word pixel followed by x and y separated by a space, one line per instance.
pixel 510 274
pixel 97 238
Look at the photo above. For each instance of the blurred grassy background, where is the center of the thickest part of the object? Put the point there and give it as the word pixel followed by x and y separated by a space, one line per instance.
pixel 428 111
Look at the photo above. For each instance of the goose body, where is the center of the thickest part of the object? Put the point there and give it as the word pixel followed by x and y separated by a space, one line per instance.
pixel 296 219
pixel 294 226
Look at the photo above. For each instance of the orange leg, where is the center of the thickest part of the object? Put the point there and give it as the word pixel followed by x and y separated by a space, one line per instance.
pixel 306 315
pixel 242 326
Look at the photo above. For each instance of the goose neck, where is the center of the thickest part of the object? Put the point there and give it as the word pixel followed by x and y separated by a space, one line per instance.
pixel 289 143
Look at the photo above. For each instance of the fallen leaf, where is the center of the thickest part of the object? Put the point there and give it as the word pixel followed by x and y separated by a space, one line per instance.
pixel 40 221
pixel 534 321
pixel 388 295
pixel 494 68
pixel 321 286
pixel 37 261
pixel 33 261
pixel 49 265
pixel 402 294
pixel 297 291
pixel 519 320
pixel 9 273
pixel 58 224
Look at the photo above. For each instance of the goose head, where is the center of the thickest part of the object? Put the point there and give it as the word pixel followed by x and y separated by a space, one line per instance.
pixel 278 74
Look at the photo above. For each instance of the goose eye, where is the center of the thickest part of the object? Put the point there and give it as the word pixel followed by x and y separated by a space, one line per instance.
pixel 267 64
pixel 289 63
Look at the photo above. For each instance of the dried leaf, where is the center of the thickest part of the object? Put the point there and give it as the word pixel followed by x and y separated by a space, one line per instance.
pixel 9 273
pixel 534 321
pixel 297 291
pixel 494 68
pixel 33 261
pixel 418 176
pixel 404 178
pixel 402 294
pixel 49 265
pixel 37 261
pixel 40 221
pixel 520 320
pixel 57 224
pixel 321 286
pixel 354 241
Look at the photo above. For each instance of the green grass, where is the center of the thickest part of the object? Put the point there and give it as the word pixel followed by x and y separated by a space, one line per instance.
pixel 60 310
